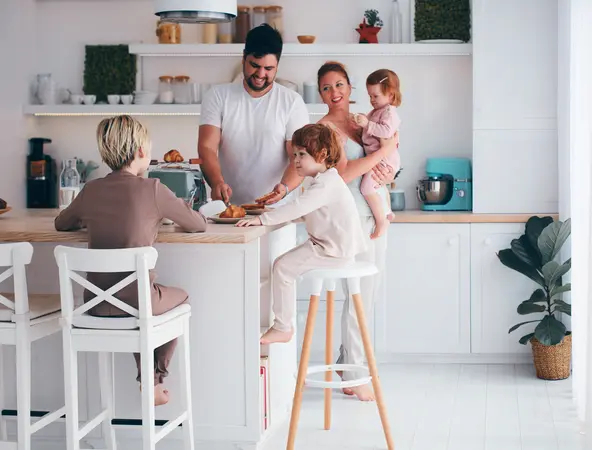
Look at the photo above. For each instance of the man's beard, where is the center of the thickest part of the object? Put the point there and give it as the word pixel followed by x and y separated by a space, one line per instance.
pixel 265 85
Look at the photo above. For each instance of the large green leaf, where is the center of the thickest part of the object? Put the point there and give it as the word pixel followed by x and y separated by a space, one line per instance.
pixel 562 270
pixel 537 296
pixel 550 331
pixel 515 327
pixel 527 307
pixel 526 338
pixel 509 259
pixel 533 229
pixel 526 252
pixel 562 307
pixel 552 239
pixel 560 289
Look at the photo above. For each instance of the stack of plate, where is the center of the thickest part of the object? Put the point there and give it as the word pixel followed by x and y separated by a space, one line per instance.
pixel 145 97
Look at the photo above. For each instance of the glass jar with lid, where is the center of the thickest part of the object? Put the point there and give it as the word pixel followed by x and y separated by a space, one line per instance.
pixel 165 89
pixel 259 15
pixel 225 33
pixel 275 19
pixel 242 24
pixel 168 33
pixel 182 89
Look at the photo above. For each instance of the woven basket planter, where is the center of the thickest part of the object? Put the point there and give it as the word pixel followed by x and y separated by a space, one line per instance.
pixel 552 362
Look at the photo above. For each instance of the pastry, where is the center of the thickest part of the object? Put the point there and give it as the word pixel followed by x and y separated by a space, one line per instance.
pixel 252 206
pixel 173 156
pixel 3 204
pixel 264 198
pixel 233 212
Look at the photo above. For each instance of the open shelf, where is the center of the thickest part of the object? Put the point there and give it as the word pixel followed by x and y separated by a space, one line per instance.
pixel 325 50
pixel 132 110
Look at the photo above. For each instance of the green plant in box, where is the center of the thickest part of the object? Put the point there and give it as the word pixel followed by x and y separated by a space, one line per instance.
pixel 442 19
pixel 533 255
pixel 109 69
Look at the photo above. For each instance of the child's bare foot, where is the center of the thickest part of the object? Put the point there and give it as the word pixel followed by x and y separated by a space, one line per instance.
pixel 379 228
pixel 390 216
pixel 161 395
pixel 364 393
pixel 273 336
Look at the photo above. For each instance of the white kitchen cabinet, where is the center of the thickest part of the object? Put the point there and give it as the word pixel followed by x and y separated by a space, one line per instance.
pixel 496 292
pixel 514 64
pixel 514 106
pixel 427 289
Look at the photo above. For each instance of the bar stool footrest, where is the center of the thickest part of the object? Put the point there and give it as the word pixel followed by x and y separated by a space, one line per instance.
pixel 337 384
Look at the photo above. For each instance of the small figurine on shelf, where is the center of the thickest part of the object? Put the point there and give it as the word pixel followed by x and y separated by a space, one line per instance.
pixel 85 169
pixel 370 27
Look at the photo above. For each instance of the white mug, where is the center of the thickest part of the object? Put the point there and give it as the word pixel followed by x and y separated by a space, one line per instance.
pixel 89 99
pixel 76 99
pixel 127 99
pixel 113 99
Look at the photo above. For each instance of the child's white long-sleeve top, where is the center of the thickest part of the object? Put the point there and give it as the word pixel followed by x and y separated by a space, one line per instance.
pixel 329 211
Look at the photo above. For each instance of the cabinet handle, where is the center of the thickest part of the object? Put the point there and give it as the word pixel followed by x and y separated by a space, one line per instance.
pixel 487 241
pixel 452 241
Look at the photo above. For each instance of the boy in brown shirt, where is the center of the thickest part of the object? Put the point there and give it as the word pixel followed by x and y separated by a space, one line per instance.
pixel 125 210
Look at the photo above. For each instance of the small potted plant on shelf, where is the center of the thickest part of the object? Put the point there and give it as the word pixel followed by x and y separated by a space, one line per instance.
pixel 370 27
pixel 85 169
pixel 534 255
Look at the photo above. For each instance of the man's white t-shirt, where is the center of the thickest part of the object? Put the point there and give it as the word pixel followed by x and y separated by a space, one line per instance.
pixel 252 150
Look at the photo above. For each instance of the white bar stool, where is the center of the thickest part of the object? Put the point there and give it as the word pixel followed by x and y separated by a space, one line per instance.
pixel 352 274
pixel 140 333
pixel 24 319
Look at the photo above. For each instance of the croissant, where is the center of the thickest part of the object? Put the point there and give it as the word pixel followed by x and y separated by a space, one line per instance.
pixel 3 204
pixel 173 156
pixel 234 212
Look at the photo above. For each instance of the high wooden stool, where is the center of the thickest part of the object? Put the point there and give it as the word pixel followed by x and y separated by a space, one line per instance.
pixel 352 274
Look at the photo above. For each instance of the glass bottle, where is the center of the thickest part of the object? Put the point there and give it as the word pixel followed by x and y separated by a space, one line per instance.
pixel 69 183
pixel 396 23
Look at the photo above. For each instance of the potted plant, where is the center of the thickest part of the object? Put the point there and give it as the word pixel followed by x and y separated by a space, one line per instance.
pixel 534 255
pixel 85 169
pixel 370 27
pixel 442 19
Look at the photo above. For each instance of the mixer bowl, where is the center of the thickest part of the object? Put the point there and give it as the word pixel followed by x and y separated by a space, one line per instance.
pixel 435 190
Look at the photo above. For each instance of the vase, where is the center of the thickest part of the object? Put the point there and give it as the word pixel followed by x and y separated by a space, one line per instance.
pixel 552 362
pixel 368 35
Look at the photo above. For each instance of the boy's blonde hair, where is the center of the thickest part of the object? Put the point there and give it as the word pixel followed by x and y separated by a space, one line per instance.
pixel 119 138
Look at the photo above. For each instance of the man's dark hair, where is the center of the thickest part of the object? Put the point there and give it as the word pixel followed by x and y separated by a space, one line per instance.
pixel 263 40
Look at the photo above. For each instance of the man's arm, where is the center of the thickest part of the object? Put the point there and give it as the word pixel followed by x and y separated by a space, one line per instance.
pixel 207 148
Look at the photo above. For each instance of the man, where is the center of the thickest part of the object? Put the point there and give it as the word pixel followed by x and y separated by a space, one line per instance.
pixel 246 128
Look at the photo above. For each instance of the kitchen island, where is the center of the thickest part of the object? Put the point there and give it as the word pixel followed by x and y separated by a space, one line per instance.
pixel 226 272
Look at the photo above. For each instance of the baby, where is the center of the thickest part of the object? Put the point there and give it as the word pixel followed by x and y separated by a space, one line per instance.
pixel 382 122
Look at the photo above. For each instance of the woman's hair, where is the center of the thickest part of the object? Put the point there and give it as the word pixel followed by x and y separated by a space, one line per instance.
pixel 119 138
pixel 331 66
pixel 389 84
pixel 319 140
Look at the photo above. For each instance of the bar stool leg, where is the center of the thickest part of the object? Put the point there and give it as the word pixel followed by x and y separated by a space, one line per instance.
pixel 71 391
pixel 3 429
pixel 107 398
pixel 185 360
pixel 329 355
pixel 147 381
pixel 23 385
pixel 302 368
pixel 373 369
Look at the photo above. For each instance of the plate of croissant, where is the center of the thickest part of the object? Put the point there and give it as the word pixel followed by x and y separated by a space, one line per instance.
pixel 232 214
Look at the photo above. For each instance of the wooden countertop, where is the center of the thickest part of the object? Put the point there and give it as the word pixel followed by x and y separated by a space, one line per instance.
pixel 418 216
pixel 36 225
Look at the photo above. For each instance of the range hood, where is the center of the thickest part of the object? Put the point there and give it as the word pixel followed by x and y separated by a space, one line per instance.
pixel 195 11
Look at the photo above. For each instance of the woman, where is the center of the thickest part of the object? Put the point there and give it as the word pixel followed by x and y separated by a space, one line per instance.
pixel 335 89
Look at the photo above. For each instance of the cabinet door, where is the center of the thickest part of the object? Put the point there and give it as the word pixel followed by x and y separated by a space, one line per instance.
pixel 427 289
pixel 515 64
pixel 496 292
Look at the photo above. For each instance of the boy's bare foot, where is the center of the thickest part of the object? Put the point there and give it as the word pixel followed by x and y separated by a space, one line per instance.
pixel 273 336
pixel 161 395
pixel 379 228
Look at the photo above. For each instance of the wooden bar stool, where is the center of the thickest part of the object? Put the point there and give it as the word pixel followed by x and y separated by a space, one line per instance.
pixel 352 274
pixel 24 319
pixel 140 333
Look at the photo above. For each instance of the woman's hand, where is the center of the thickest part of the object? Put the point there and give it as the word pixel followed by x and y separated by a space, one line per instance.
pixel 383 174
pixel 254 222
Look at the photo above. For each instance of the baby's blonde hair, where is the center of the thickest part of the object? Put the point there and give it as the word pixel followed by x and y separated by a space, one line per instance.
pixel 119 138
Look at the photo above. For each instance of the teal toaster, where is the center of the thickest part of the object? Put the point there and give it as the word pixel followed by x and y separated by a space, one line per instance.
pixel 186 181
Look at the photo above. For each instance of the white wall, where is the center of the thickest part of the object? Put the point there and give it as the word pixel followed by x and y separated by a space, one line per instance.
pixel 17 50
pixel 437 91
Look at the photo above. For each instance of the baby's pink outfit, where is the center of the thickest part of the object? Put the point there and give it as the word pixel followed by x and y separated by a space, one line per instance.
pixel 382 123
